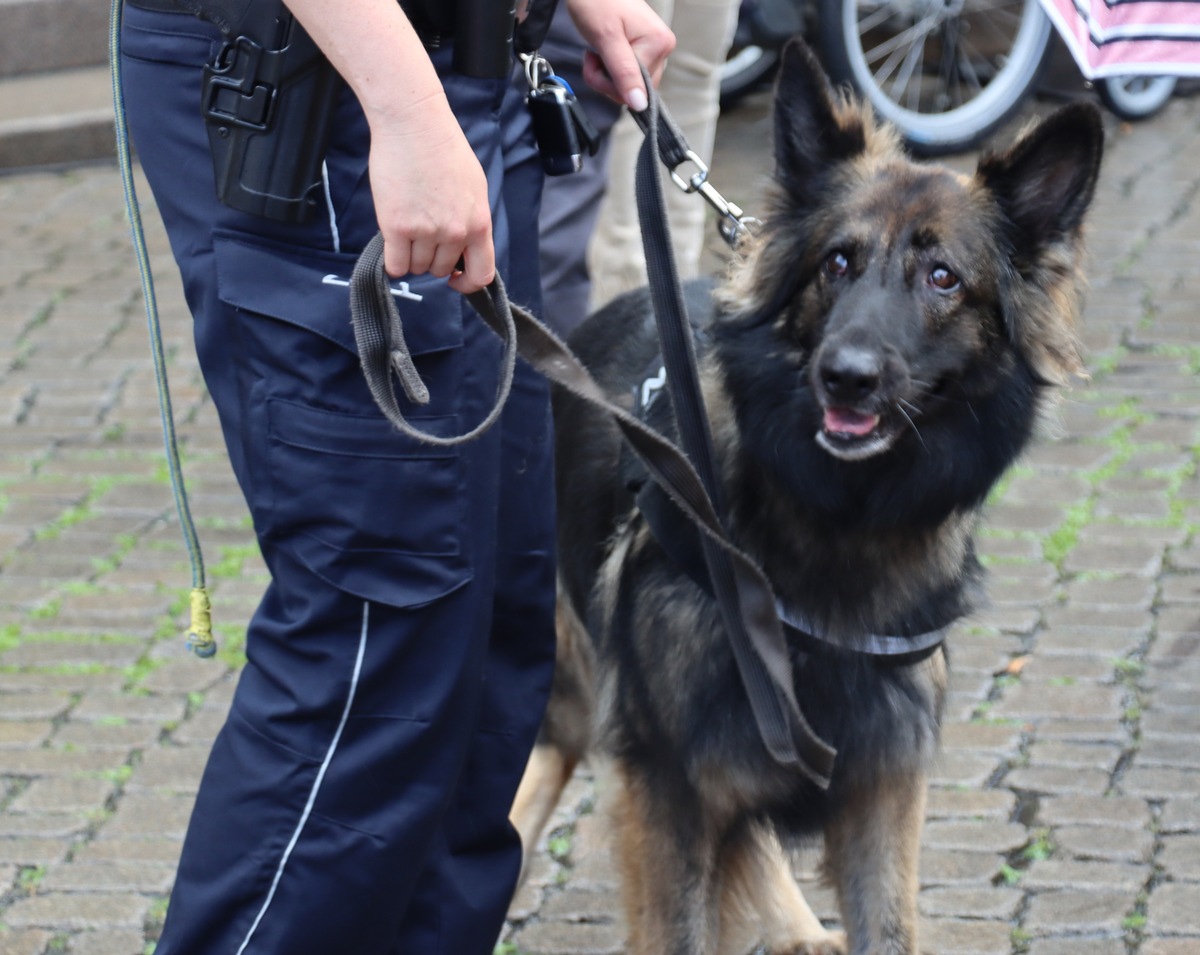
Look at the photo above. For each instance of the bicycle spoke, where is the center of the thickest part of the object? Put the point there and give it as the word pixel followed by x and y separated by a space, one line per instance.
pixel 874 19
pixel 904 79
pixel 907 38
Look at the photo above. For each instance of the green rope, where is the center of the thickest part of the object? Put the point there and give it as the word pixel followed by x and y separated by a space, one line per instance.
pixel 200 638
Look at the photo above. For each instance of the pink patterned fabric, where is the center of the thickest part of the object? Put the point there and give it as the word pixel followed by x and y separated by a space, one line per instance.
pixel 1122 37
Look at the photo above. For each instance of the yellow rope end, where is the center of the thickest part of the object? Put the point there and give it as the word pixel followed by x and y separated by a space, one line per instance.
pixel 200 639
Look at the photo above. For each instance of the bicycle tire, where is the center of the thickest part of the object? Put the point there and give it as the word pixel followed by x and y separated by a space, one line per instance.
pixel 746 69
pixel 1136 97
pixel 997 50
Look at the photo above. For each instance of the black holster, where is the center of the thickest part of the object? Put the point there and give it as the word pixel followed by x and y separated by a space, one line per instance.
pixel 270 94
pixel 268 105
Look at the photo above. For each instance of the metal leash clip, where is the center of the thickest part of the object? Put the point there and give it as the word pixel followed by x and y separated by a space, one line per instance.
pixel 734 225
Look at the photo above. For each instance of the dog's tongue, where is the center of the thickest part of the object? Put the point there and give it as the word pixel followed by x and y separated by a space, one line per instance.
pixel 845 421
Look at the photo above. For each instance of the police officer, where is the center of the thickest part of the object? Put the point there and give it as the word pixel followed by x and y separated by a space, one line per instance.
pixel 356 800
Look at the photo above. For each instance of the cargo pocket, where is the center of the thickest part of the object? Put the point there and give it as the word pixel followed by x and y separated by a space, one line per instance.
pixel 336 486
pixel 372 511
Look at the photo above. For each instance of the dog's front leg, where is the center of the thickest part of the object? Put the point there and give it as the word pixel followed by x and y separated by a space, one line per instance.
pixel 667 857
pixel 871 852
pixel 761 902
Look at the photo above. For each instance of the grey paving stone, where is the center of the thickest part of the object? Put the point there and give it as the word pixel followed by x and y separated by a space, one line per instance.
pixel 1057 753
pixel 971 903
pixel 63 794
pixel 57 825
pixel 1108 811
pixel 568 938
pixel 108 876
pixel 149 849
pixel 1167 696
pixel 1180 857
pixel 1058 780
pixel 117 735
pixel 62 911
pixel 1172 946
pixel 524 905
pixel 71 654
pixel 103 705
pixel 964 768
pixel 1078 946
pixel 169 769
pixel 50 682
pixel 963 937
pixel 1105 643
pixel 107 942
pixel 1050 670
pixel 33 706
pixel 16 734
pixel 974 836
pixel 1059 872
pixel 1106 843
pixel 582 905
pixel 1083 731
pixel 1181 814
pixel 31 850
pixel 1139 558
pixel 1171 723
pixel 969 804
pixel 1080 701
pixel 1074 910
pixel 1160 782
pixel 1175 910
pixel 24 941
pixel 150 814
pixel 1180 753
pixel 958 867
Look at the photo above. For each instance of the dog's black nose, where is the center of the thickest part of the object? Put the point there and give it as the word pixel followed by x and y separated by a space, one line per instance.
pixel 849 374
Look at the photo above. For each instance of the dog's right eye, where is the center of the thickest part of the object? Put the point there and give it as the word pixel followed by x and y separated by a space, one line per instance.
pixel 837 264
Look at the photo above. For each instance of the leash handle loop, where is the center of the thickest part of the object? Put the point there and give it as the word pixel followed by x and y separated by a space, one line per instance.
pixel 379 334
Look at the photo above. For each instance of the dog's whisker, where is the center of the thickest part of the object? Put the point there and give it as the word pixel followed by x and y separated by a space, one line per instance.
pixel 907 417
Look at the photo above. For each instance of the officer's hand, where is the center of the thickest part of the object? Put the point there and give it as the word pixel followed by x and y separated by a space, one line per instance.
pixel 431 198
pixel 622 33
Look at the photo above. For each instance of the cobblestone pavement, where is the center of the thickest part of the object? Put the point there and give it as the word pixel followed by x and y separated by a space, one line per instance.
pixel 1064 817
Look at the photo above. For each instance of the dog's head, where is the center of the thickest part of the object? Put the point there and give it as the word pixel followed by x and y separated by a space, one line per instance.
pixel 908 299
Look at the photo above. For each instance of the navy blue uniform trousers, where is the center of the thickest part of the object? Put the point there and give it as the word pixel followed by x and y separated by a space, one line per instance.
pixel 356 800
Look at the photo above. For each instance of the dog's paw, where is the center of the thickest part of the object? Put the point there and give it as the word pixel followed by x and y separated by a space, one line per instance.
pixel 831 943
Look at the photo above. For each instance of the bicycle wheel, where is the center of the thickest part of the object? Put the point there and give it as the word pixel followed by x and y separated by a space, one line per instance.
pixel 1136 97
pixel 947 73
pixel 746 69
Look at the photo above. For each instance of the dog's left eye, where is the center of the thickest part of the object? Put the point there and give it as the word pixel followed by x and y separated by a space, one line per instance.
pixel 837 264
pixel 943 279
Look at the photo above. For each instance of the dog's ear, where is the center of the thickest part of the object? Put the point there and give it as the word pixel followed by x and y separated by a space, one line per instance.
pixel 1045 182
pixel 814 128
pixel 1044 185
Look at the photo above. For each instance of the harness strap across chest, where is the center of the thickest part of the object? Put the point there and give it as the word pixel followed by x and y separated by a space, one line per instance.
pixel 680 540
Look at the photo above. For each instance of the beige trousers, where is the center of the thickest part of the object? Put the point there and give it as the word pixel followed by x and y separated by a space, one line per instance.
pixel 690 88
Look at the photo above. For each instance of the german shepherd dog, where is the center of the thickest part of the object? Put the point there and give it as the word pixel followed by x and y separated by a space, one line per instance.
pixel 878 356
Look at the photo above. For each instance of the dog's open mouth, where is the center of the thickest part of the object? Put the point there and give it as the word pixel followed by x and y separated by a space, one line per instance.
pixel 853 435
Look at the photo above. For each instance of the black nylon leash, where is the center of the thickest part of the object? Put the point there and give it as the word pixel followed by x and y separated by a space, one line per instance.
pixel 745 597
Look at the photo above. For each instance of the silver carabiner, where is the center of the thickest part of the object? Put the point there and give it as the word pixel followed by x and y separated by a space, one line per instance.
pixel 697 179
pixel 537 69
